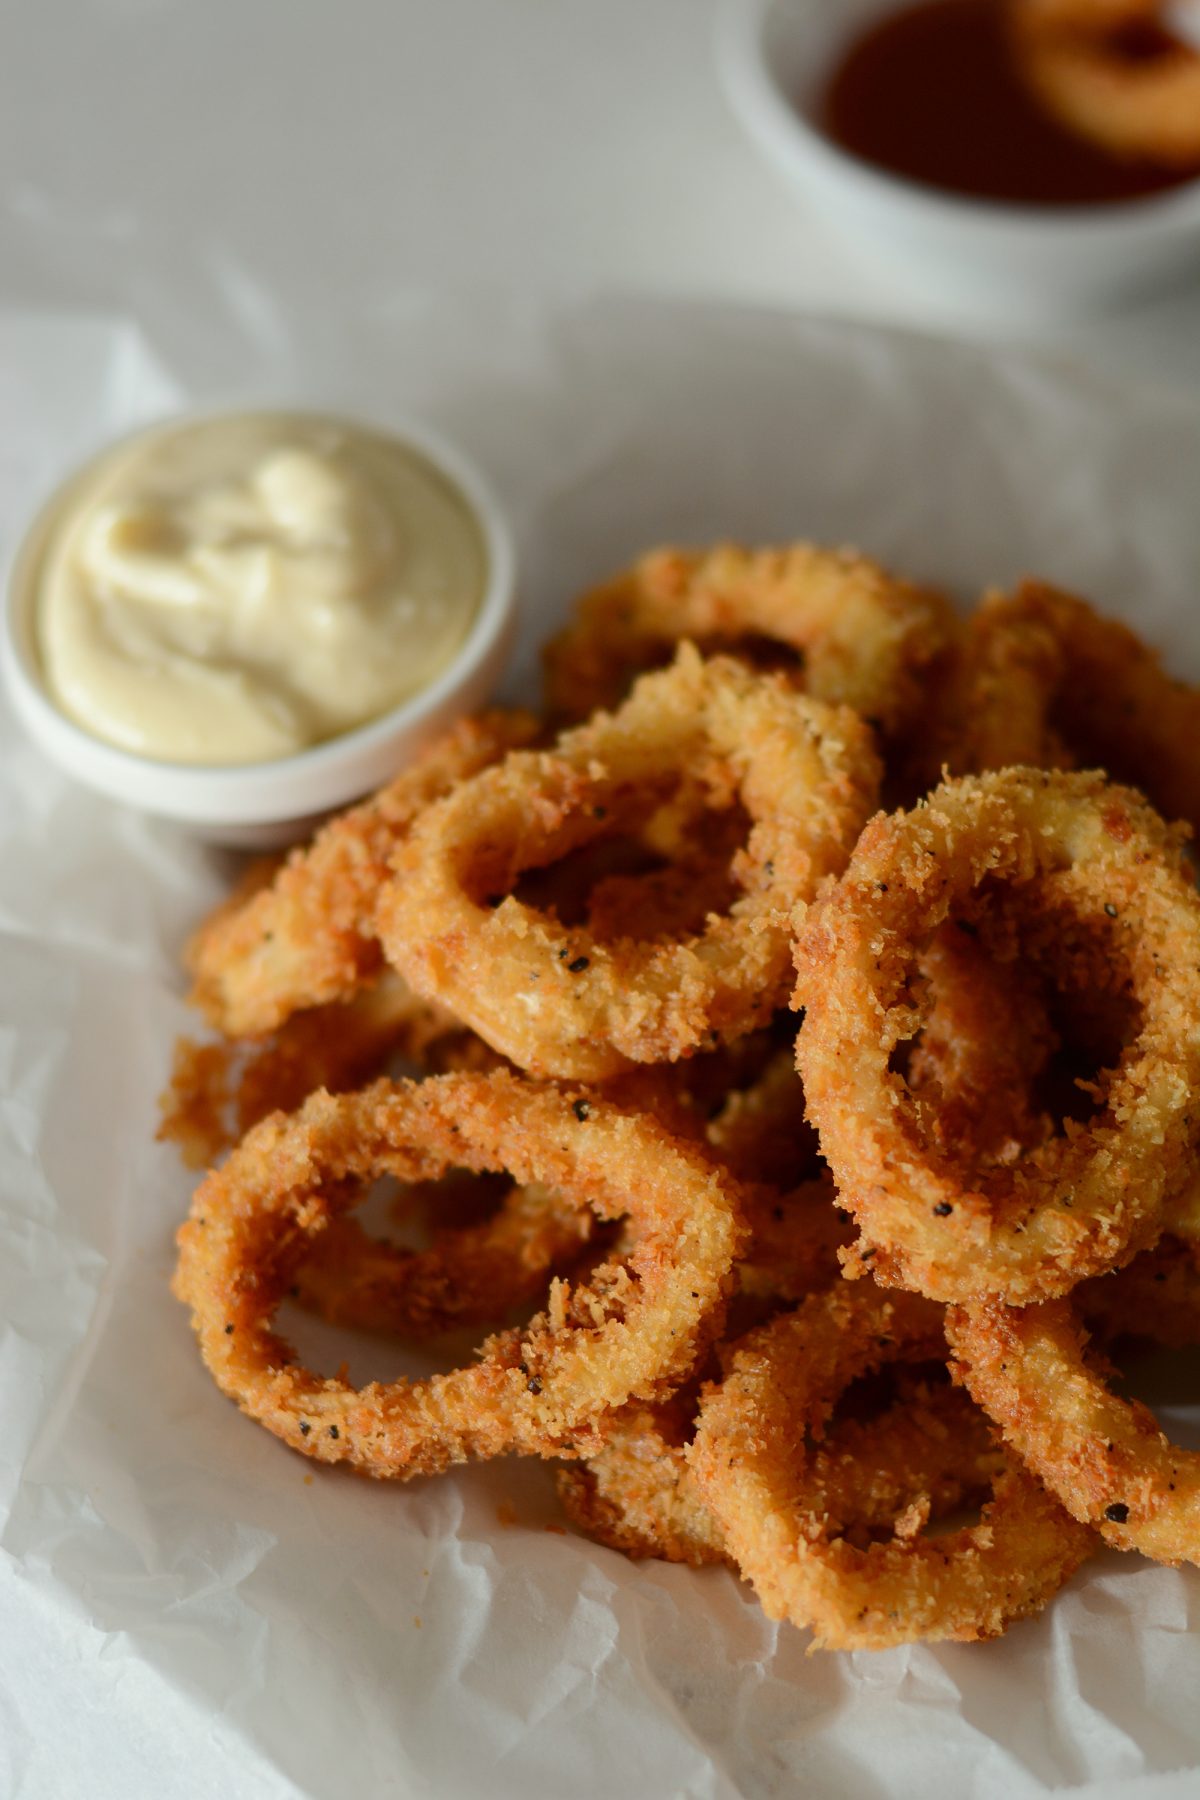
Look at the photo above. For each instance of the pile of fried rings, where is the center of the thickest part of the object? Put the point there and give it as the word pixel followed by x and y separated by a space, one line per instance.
pixel 806 1013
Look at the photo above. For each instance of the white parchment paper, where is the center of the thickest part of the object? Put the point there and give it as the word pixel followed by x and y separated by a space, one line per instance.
pixel 188 1608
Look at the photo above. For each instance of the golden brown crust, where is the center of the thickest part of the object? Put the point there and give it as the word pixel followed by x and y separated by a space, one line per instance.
pixel 217 1091
pixel 635 1327
pixel 1062 849
pixel 1156 1298
pixel 1145 108
pixel 1018 949
pixel 551 996
pixel 986 1039
pixel 760 1479
pixel 867 638
pixel 1044 680
pixel 308 937
pixel 467 1275
pixel 636 1494
pixel 1103 1456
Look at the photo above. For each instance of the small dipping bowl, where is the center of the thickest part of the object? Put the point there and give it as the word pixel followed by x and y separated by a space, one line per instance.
pixel 266 804
pixel 775 59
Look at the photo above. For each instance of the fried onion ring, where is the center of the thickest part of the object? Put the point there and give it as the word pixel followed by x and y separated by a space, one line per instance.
pixel 795 1238
pixel 866 637
pixel 552 997
pixel 633 1330
pixel 1072 848
pixel 1104 1456
pixel 637 1493
pixel 925 1456
pixel 1109 72
pixel 218 1090
pixel 929 1453
pixel 762 1482
pixel 474 1273
pixel 1155 1298
pixel 307 937
pixel 986 1039
pixel 761 1132
pixel 1046 681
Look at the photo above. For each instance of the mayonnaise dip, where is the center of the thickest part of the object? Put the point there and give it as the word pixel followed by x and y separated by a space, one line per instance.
pixel 236 588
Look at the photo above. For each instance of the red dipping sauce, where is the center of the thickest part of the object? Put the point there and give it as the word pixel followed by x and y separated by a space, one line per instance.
pixel 932 93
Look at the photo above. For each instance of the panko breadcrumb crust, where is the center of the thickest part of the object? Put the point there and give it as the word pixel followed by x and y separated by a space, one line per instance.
pixel 997 1026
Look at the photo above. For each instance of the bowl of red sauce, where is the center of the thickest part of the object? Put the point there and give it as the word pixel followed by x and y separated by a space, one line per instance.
pixel 915 128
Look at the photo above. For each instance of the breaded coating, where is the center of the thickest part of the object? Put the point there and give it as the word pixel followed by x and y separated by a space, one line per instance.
pixel 633 1329
pixel 864 638
pixel 1089 866
pixel 754 1465
pixel 309 936
pixel 551 996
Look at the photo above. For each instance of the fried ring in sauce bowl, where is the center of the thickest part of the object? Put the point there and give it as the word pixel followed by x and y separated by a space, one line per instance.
pixel 552 997
pixel 1076 57
pixel 634 1328
pixel 1078 849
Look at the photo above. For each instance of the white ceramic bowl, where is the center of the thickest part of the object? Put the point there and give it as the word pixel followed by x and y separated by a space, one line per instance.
pixel 269 803
pixel 774 57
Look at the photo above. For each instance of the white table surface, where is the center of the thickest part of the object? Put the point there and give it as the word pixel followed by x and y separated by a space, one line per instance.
pixel 156 155
pixel 373 146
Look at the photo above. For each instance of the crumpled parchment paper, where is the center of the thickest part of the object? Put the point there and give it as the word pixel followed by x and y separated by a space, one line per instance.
pixel 188 1608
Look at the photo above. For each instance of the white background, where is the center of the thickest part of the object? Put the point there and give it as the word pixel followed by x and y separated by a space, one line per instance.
pixel 376 146
pixel 204 165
